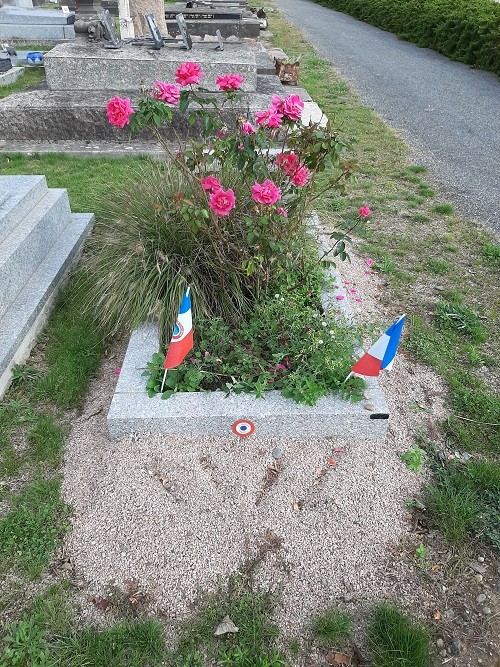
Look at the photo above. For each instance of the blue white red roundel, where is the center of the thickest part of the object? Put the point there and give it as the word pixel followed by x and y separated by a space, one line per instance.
pixel 178 331
pixel 243 428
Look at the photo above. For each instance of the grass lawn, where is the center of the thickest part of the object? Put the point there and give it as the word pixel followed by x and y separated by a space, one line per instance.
pixel 30 77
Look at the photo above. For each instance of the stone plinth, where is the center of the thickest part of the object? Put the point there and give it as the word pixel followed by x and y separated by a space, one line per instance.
pixel 91 67
pixel 80 115
pixel 20 16
pixel 10 76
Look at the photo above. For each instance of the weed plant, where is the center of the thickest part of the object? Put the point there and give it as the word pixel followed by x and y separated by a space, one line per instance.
pixel 397 641
pixel 331 627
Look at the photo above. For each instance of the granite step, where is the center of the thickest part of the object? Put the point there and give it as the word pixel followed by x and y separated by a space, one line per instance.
pixel 25 317
pixel 27 244
pixel 18 195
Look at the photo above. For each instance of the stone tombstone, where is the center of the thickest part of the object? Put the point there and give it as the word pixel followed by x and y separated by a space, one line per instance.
pixel 107 21
pixel 155 33
pixel 220 42
pixel 186 37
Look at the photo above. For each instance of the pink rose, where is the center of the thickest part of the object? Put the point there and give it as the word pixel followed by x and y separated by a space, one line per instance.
pixel 222 202
pixel 211 184
pixel 301 176
pixel 289 162
pixel 266 193
pixel 166 92
pixel 188 73
pixel 282 211
pixel 369 261
pixel 247 128
pixel 268 118
pixel 276 104
pixel 229 82
pixel 119 111
pixel 292 107
pixel 364 212
pixel 340 297
pixel 221 134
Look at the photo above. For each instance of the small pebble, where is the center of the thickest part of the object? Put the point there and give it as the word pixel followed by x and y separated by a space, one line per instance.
pixel 370 407
pixel 456 646
pixel 440 643
pixel 276 453
pixel 478 578
pixel 487 610
pixel 481 598
pixel 443 653
pixel 367 394
pixel 480 559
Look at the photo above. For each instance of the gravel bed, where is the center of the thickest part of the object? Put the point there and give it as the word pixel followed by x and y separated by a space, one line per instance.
pixel 179 514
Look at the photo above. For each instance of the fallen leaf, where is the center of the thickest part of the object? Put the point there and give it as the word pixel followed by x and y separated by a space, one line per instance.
pixel 296 507
pixel 319 470
pixel 101 603
pixel 225 626
pixel 332 463
pixel 436 568
pixel 338 659
pixel 437 615
pixel 339 450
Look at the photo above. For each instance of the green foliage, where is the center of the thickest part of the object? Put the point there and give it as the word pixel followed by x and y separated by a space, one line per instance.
pixel 253 646
pixel 30 77
pixel 414 457
pixel 396 640
pixel 461 318
pixel 123 645
pixel 24 645
pixel 443 209
pixel 74 349
pixel 29 531
pixel 452 509
pixel 46 440
pixel 465 30
pixel 465 497
pixel 421 552
pixel 330 627
pixel 492 253
pixel 285 344
pixel 15 414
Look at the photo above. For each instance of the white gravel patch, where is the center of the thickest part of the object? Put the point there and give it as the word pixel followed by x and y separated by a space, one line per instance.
pixel 180 514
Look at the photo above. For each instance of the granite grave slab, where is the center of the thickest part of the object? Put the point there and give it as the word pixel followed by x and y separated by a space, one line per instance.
pixel 74 66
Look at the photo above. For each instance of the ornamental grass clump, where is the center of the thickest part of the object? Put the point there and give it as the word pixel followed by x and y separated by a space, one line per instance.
pixel 226 214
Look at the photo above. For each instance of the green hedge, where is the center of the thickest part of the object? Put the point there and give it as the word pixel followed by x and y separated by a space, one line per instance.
pixel 465 30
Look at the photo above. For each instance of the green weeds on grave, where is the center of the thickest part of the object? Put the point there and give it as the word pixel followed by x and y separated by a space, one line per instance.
pixel 30 530
pixel 397 641
pixel 331 627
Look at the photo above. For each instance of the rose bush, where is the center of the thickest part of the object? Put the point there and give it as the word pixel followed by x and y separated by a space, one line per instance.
pixel 226 213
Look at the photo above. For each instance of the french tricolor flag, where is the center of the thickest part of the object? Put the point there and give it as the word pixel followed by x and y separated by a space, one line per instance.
pixel 382 353
pixel 182 336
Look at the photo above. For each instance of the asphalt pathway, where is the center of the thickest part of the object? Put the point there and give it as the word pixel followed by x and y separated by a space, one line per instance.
pixel 447 112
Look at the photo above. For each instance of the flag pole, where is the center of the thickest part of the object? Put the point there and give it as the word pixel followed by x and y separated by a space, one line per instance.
pixel 350 375
pixel 163 381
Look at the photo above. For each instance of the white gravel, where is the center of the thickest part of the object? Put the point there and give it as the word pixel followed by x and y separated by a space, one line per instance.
pixel 177 514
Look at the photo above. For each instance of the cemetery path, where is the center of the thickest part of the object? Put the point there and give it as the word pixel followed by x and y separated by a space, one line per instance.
pixel 447 112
